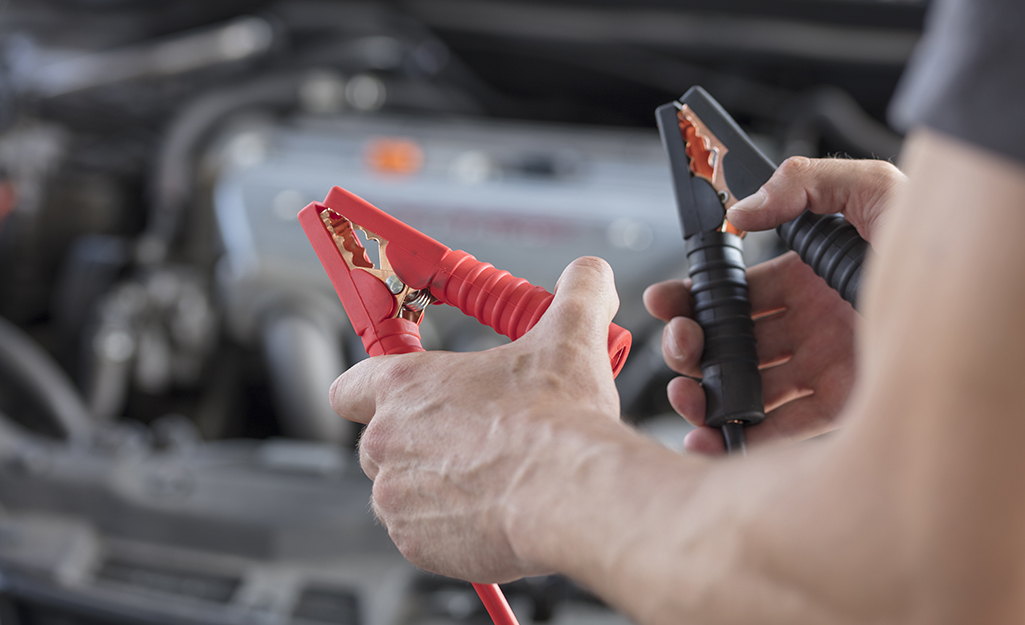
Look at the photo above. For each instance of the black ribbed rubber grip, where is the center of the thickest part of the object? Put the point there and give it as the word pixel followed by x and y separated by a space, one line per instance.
pixel 729 364
pixel 833 248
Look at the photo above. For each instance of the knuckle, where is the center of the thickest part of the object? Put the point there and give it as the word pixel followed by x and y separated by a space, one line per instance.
pixel 373 444
pixel 884 174
pixel 337 394
pixel 385 497
pixel 336 399
pixel 884 168
pixel 893 177
pixel 795 166
pixel 378 513
pixel 402 371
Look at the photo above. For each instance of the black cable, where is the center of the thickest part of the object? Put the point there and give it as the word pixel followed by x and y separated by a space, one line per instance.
pixel 733 434
pixel 729 362
pixel 25 365
pixel 173 179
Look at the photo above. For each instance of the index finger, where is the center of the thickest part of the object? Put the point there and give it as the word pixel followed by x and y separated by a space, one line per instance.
pixel 352 394
pixel 668 299
pixel 860 189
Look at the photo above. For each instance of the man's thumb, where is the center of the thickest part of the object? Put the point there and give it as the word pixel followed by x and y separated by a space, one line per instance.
pixel 585 299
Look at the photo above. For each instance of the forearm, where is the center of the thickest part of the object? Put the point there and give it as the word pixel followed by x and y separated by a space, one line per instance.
pixel 945 352
pixel 672 539
pixel 912 514
pixel 594 503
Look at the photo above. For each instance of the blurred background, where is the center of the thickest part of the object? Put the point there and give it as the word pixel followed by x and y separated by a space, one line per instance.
pixel 167 336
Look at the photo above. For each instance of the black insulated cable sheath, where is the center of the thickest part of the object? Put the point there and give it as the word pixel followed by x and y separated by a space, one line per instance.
pixel 729 362
pixel 733 435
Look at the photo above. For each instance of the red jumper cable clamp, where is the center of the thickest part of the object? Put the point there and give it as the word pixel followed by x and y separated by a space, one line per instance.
pixel 385 302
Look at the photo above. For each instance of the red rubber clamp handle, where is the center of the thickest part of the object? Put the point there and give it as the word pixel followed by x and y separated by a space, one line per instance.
pixel 510 305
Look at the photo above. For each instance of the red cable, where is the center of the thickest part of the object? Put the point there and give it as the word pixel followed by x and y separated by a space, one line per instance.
pixel 494 601
pixel 508 304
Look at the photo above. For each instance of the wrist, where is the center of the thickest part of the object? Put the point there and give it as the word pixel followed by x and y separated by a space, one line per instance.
pixel 574 504
pixel 551 481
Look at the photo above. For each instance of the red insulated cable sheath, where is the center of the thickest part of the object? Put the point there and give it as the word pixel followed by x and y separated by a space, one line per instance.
pixel 494 601
pixel 504 302
pixel 492 296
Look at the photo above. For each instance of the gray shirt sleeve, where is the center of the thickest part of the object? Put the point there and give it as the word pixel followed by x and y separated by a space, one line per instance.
pixel 967 75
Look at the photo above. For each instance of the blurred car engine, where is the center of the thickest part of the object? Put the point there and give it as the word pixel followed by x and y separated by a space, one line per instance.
pixel 167 335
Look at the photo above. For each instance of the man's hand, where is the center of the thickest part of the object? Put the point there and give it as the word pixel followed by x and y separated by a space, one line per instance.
pixel 452 440
pixel 804 330
pixel 860 189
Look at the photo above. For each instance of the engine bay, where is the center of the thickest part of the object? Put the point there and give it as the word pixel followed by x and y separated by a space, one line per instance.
pixel 168 337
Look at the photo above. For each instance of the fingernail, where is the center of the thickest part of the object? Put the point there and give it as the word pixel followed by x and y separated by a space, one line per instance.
pixel 751 203
pixel 672 344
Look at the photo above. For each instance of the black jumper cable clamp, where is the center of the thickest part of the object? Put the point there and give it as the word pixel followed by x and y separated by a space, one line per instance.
pixel 714 164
